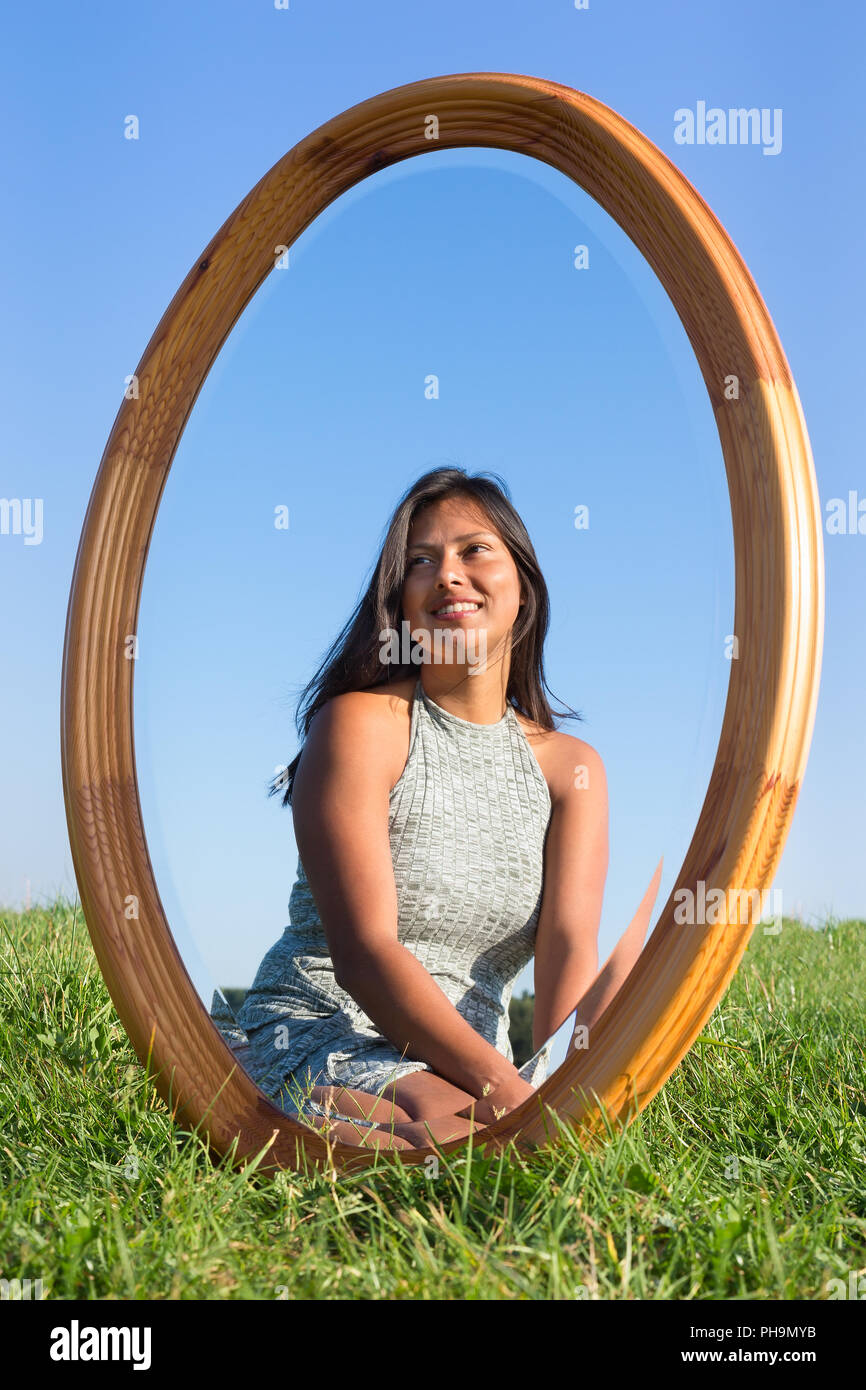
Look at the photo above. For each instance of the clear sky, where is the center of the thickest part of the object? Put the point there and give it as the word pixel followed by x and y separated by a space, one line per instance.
pixel 574 386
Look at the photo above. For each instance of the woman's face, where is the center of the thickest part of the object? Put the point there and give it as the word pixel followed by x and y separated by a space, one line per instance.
pixel 454 554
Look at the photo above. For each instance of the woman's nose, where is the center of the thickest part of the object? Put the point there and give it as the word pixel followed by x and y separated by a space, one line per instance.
pixel 447 572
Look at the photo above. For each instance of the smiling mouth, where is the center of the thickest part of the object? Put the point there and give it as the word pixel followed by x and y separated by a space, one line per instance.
pixel 460 609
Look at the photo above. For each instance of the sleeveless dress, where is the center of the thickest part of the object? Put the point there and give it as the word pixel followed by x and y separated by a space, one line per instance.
pixel 467 825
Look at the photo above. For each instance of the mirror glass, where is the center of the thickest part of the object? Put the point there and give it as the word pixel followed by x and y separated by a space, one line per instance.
pixel 469 308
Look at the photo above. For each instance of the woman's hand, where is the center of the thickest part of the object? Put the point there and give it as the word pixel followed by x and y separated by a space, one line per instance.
pixel 496 1103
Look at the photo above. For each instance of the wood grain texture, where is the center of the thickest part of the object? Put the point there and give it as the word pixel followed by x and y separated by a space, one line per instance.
pixel 779 607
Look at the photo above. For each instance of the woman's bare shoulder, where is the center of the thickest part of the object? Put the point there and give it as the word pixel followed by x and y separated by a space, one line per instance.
pixel 561 756
pixel 390 697
pixel 382 712
pixel 388 701
pixel 393 690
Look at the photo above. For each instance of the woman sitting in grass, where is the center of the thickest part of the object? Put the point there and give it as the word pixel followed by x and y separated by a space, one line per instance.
pixel 446 833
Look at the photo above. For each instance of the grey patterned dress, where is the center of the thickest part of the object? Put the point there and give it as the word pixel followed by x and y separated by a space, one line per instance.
pixel 467 824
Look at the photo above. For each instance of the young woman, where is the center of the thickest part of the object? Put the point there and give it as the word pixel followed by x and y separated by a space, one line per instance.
pixel 446 833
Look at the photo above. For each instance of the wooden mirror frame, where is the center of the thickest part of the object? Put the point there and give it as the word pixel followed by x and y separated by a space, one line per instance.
pixel 779 609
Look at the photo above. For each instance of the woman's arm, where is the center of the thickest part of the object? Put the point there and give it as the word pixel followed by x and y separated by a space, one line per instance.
pixel 340 805
pixel 576 856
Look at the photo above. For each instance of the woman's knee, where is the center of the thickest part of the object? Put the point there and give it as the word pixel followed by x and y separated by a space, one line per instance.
pixel 422 1134
pixel 374 1137
pixel 424 1095
pixel 360 1104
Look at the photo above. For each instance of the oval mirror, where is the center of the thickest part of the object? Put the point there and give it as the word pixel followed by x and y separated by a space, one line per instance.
pixel 479 328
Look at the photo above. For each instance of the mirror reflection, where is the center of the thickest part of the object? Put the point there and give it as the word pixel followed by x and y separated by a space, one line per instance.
pixel 476 861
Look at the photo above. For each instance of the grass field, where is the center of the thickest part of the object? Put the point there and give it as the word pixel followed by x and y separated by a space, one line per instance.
pixel 743 1178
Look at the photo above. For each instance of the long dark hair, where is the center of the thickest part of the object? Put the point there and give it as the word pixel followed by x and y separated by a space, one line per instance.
pixel 353 661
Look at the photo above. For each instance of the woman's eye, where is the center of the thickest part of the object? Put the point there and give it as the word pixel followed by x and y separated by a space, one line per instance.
pixel 476 545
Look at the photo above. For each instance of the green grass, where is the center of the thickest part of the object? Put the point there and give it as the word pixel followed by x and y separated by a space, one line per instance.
pixel 741 1179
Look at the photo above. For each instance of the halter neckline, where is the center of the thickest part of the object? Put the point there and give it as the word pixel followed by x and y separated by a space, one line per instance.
pixel 455 718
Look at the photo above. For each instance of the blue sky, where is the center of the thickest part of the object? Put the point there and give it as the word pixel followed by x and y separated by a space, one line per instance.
pixel 576 387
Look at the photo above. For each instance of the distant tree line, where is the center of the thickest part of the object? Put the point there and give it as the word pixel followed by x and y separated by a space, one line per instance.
pixel 521 1012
